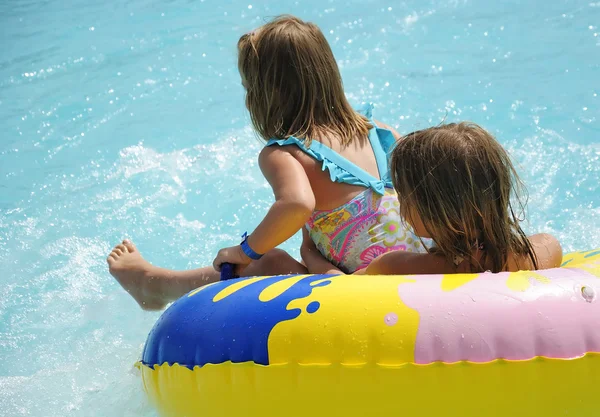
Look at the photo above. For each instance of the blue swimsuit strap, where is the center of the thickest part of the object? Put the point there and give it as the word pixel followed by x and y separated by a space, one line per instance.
pixel 380 153
pixel 342 162
pixel 376 136
pixel 381 141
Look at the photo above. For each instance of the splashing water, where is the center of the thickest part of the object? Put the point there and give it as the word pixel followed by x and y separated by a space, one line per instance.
pixel 127 120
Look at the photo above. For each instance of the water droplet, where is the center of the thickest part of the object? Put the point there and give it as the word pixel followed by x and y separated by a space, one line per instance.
pixel 588 293
pixel 390 319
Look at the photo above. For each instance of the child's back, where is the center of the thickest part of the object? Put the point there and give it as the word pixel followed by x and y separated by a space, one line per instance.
pixel 356 213
pixel 326 159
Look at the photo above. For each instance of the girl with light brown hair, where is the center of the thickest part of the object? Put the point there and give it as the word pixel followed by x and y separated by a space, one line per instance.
pixel 326 163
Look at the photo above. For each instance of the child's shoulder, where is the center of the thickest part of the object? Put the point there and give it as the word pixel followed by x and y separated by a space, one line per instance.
pixel 547 249
pixel 274 157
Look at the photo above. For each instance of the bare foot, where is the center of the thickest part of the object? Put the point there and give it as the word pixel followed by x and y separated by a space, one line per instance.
pixel 135 275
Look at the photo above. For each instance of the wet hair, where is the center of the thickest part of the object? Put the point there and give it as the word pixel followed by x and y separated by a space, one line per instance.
pixel 293 84
pixel 461 183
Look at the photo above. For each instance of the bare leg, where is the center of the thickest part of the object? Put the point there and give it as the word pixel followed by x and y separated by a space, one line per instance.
pixel 153 287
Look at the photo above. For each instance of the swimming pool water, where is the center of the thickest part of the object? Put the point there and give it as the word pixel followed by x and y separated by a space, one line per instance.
pixel 127 119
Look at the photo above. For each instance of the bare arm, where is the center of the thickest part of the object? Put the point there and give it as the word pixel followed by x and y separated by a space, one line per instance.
pixel 294 200
pixel 294 203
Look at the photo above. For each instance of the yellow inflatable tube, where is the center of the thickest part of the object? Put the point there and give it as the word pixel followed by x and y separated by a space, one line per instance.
pixel 508 344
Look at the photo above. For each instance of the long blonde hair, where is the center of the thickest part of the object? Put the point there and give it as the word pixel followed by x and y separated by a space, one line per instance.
pixel 293 84
pixel 460 181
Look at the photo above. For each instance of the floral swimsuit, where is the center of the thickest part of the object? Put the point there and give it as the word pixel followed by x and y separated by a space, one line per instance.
pixel 354 234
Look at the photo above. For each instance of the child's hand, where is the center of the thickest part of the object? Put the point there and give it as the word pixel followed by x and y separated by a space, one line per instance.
pixel 233 255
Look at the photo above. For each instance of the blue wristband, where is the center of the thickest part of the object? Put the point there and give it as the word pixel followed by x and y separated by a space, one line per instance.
pixel 247 249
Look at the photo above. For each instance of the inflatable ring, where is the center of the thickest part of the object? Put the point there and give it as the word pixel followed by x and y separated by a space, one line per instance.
pixel 507 344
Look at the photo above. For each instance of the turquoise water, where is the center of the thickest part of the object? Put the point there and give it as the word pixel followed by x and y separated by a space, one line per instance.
pixel 127 119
